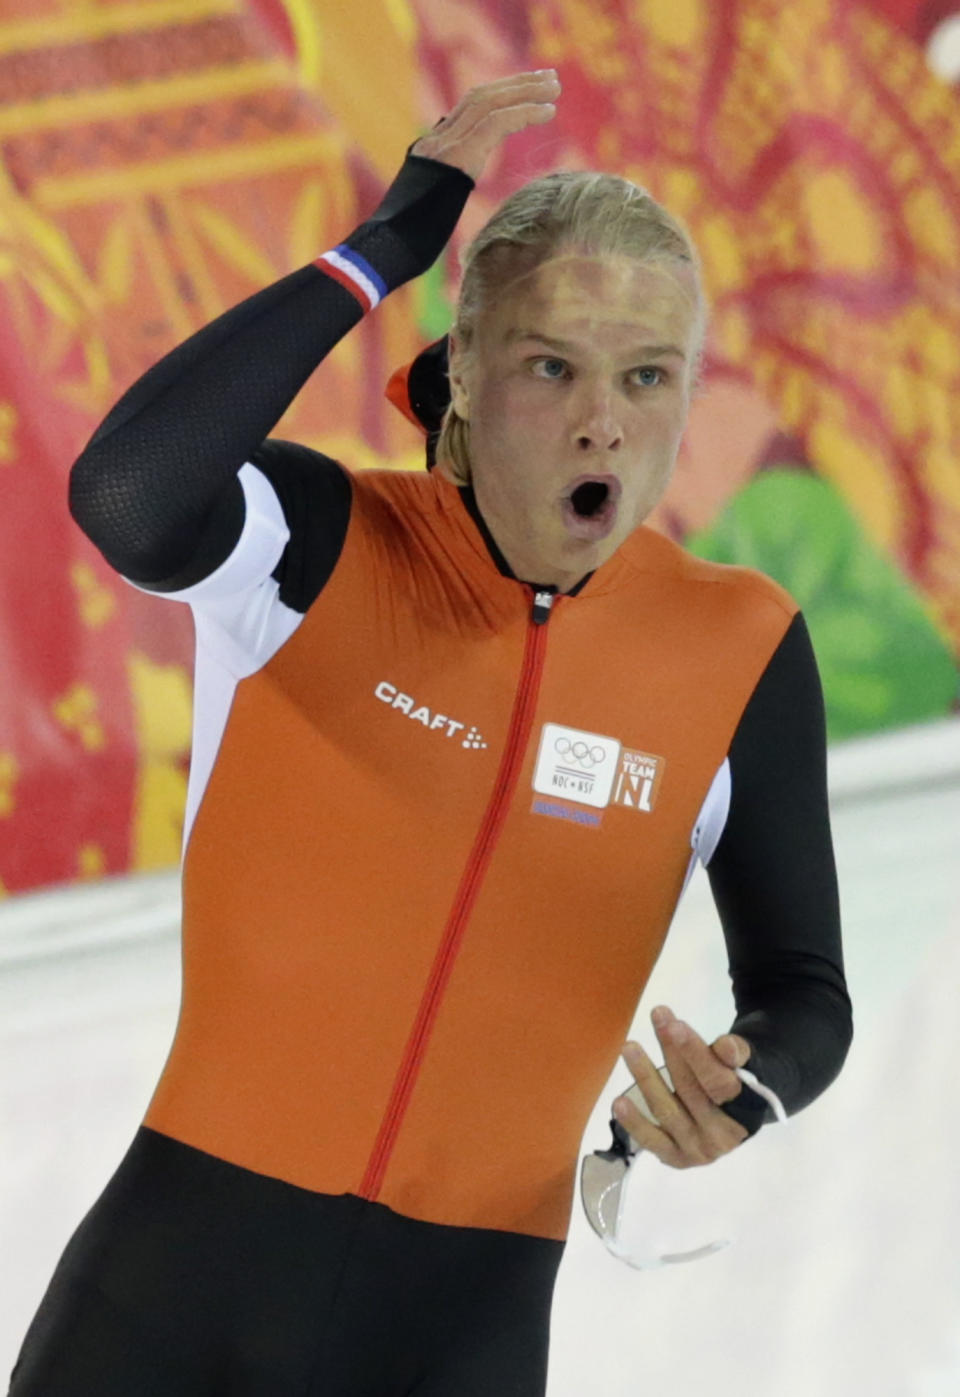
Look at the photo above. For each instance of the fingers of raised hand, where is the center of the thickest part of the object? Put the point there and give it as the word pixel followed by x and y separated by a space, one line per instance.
pixel 540 86
pixel 486 114
pixel 486 124
pixel 511 119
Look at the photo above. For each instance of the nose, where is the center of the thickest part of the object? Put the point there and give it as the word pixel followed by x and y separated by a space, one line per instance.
pixel 596 423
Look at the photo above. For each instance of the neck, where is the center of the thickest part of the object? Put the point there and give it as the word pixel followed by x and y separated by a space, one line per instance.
pixel 511 557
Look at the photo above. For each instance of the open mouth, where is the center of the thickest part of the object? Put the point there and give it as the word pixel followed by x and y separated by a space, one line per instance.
pixel 590 507
pixel 589 499
pixel 591 493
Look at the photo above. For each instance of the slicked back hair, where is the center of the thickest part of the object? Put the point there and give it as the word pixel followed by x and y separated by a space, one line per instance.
pixel 568 211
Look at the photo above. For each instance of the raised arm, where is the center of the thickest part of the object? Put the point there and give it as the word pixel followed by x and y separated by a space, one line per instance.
pixel 164 461
pixel 145 483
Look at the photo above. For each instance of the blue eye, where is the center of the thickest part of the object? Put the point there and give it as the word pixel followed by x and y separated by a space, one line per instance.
pixel 652 369
pixel 559 362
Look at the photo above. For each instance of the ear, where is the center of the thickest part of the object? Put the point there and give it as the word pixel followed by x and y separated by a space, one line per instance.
pixel 459 393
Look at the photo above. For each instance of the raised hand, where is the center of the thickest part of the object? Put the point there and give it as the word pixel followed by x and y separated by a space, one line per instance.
pixel 467 136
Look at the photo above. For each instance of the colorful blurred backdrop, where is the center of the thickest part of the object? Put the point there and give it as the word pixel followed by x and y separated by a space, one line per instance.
pixel 162 160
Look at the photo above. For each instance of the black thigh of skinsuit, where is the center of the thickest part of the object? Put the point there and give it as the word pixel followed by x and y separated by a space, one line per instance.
pixel 192 1277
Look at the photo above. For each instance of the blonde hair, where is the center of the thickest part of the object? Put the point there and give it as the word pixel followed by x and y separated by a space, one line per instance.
pixel 569 210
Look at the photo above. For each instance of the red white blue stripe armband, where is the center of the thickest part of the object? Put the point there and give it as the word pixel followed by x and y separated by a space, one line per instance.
pixel 355 274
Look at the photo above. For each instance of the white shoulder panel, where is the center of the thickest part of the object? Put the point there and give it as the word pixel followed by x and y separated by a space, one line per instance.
pixel 710 822
pixel 257 552
pixel 239 616
pixel 713 815
pixel 213 690
pixel 240 623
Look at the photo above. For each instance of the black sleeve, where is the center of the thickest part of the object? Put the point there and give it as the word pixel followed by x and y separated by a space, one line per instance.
pixel 156 486
pixel 315 496
pixel 774 883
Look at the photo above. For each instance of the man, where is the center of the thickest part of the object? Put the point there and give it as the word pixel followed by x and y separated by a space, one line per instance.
pixel 440 812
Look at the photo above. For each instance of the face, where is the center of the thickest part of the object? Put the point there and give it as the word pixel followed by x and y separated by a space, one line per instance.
pixel 562 384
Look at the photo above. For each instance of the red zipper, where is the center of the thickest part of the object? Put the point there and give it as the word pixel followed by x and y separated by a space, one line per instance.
pixel 518 735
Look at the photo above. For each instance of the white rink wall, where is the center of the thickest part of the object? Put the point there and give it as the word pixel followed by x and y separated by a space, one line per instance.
pixel 843 1279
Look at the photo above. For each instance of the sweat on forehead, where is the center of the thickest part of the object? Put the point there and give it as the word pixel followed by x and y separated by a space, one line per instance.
pixel 610 290
pixel 611 276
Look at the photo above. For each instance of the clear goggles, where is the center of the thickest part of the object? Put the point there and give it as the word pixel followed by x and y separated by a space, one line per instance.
pixel 603 1190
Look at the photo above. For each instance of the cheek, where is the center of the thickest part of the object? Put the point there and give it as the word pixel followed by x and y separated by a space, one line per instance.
pixel 513 411
pixel 661 423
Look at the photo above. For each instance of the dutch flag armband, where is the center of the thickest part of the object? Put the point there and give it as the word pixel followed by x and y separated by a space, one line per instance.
pixel 355 274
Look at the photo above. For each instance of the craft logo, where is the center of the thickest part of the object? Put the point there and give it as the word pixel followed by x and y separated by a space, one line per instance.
pixel 473 739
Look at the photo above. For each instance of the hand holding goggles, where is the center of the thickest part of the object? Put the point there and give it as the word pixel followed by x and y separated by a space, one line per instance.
pixel 604 1175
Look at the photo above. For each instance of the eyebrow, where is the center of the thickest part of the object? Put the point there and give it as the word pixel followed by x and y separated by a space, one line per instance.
pixel 565 345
